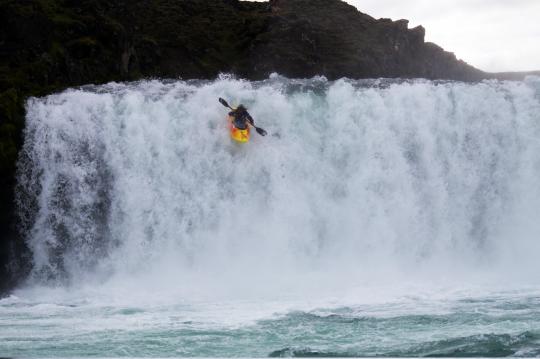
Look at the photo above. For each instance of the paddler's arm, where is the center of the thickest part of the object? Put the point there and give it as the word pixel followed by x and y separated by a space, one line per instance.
pixel 250 120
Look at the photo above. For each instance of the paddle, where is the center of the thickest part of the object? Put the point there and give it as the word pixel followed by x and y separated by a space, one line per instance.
pixel 259 130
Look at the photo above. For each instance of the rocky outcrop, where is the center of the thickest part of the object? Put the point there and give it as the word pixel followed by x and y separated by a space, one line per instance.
pixel 48 45
pixel 304 38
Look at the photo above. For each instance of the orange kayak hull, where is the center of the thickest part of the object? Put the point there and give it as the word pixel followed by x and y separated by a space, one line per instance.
pixel 241 136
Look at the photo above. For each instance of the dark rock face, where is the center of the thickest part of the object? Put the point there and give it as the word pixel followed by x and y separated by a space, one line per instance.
pixel 48 45
pixel 304 38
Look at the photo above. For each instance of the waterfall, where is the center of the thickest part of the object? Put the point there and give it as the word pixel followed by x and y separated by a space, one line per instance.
pixel 357 177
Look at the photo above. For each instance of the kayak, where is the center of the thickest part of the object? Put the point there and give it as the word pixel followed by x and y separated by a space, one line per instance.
pixel 237 134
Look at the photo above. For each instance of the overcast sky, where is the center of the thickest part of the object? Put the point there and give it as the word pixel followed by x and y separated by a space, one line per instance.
pixel 493 35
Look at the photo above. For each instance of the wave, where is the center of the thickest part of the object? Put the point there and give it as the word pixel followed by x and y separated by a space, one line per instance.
pixel 484 345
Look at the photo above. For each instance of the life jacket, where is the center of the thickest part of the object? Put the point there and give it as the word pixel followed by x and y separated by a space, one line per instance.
pixel 240 119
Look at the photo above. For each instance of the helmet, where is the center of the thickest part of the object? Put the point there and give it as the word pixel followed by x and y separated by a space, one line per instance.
pixel 241 107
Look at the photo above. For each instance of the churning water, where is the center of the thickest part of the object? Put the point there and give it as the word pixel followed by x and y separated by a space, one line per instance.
pixel 376 218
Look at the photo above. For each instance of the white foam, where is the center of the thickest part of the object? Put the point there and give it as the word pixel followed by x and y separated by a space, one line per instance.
pixel 140 192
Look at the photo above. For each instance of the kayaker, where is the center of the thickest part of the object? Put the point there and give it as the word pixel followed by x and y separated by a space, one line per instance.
pixel 241 118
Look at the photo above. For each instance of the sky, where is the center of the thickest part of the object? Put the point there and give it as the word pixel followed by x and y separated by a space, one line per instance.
pixel 492 35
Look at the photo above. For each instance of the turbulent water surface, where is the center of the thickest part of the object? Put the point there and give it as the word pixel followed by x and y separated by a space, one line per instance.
pixel 377 218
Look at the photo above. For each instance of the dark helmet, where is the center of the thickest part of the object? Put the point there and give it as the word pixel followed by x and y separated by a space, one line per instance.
pixel 241 108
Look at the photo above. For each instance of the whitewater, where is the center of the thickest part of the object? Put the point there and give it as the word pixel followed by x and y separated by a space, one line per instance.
pixel 377 218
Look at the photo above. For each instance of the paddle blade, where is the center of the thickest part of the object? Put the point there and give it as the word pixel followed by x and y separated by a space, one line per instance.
pixel 223 102
pixel 260 131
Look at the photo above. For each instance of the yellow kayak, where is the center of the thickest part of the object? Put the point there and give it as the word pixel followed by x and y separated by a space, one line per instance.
pixel 238 135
